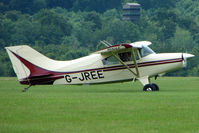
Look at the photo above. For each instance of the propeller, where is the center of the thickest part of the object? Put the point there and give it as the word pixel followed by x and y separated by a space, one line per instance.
pixel 185 56
pixel 184 61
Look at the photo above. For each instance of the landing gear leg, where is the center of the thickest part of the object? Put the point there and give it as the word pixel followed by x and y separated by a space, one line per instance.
pixel 25 89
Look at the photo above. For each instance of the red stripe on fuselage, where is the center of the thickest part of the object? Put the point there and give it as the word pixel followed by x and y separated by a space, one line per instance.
pixel 40 75
pixel 34 69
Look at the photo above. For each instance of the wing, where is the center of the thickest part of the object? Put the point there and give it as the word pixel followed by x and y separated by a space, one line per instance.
pixel 119 47
pixel 114 49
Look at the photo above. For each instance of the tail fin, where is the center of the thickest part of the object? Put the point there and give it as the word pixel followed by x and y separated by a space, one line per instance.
pixel 19 68
pixel 28 63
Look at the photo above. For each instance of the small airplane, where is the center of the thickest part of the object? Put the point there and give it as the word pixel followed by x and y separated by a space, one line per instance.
pixel 115 63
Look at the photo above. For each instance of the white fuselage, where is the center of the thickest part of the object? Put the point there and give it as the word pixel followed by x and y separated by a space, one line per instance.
pixel 116 63
pixel 90 69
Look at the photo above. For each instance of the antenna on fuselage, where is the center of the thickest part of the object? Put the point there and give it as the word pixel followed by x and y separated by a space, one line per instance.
pixel 107 44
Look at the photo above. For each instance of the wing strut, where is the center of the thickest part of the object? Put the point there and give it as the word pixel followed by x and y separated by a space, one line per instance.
pixel 135 63
pixel 107 44
pixel 133 57
pixel 135 74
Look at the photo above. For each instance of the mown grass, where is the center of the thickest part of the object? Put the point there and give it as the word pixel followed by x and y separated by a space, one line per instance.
pixel 109 108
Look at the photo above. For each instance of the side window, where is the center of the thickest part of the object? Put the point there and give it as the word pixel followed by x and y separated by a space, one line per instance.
pixel 144 51
pixel 126 56
pixel 110 61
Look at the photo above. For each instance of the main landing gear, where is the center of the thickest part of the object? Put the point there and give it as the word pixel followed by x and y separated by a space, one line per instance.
pixel 151 87
pixel 148 86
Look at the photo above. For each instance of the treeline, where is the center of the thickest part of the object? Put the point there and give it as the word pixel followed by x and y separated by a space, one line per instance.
pixel 33 6
pixel 68 29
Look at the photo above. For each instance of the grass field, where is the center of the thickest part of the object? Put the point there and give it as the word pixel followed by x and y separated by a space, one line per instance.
pixel 110 108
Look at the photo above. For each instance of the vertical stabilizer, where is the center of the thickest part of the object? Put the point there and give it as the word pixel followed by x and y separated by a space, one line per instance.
pixel 28 63
pixel 19 68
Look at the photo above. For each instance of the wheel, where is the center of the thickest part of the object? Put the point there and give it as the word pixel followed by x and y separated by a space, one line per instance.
pixel 149 87
pixel 156 87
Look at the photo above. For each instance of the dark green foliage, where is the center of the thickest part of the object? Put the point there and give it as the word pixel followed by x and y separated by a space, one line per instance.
pixel 24 6
pixel 68 29
pixel 121 31
pixel 33 6
pixel 6 30
pixel 95 18
pixel 52 26
pixel 61 3
pixel 147 4
pixel 96 5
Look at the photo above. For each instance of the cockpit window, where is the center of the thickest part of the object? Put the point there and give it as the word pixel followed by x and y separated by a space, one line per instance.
pixel 144 51
pixel 110 61
pixel 126 56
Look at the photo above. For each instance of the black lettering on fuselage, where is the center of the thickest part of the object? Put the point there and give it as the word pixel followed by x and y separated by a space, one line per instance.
pixel 93 75
pixel 68 78
pixel 100 74
pixel 82 78
pixel 87 76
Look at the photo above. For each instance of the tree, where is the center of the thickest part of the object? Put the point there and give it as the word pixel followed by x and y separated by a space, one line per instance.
pixel 13 15
pixel 182 41
pixel 6 30
pixel 38 5
pixel 121 31
pixel 60 3
pixel 167 21
pixel 147 4
pixel 25 6
pixel 95 18
pixel 24 32
pixel 96 5
pixel 52 26
pixel 168 30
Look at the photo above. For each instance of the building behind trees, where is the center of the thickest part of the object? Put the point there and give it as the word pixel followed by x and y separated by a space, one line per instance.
pixel 131 11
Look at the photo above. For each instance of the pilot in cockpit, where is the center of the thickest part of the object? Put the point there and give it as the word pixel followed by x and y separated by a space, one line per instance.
pixel 126 56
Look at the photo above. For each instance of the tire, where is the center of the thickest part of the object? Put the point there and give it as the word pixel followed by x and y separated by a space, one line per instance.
pixel 149 87
pixel 156 87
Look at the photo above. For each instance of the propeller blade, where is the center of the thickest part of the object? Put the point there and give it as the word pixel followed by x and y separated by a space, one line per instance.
pixel 185 56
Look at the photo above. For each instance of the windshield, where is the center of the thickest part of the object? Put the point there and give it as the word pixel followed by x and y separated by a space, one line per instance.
pixel 144 51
